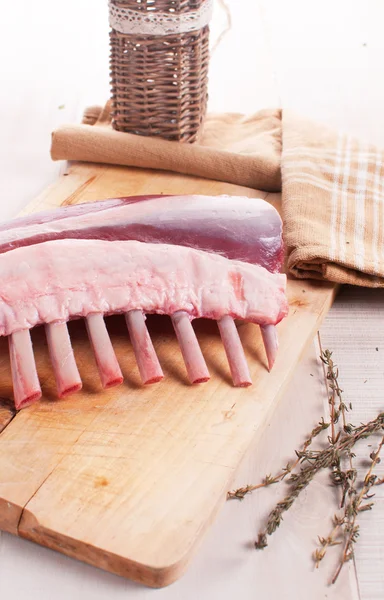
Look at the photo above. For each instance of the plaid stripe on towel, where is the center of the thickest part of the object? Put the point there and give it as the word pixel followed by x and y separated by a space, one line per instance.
pixel 333 205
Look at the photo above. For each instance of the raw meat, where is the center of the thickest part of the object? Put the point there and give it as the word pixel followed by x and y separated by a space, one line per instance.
pixel 59 280
pixel 236 227
pixel 65 279
pixel 240 228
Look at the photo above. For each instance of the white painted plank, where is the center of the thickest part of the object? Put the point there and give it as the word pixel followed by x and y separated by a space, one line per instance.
pixel 354 330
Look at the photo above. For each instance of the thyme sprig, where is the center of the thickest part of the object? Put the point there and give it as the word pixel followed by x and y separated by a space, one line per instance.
pixel 356 504
pixel 299 473
pixel 313 461
pixel 289 467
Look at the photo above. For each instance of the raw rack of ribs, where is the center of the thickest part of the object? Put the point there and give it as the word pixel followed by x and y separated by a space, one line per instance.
pixel 186 256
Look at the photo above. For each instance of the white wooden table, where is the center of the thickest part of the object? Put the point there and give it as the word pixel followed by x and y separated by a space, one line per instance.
pixel 323 59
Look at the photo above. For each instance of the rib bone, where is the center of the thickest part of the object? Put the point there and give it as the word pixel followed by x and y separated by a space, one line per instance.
pixel 109 369
pixel 244 229
pixel 146 358
pixel 194 360
pixel 63 360
pixel 271 343
pixel 69 279
pixel 234 351
pixel 26 386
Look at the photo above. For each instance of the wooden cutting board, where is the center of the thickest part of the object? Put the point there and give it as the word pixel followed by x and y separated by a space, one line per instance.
pixel 129 479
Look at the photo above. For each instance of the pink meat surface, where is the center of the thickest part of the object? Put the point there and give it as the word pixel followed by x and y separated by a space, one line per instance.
pixel 241 228
pixel 64 279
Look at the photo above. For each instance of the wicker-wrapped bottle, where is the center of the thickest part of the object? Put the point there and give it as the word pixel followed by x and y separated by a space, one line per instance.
pixel 159 66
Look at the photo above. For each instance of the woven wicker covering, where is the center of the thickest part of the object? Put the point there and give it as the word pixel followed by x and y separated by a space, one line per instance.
pixel 159 83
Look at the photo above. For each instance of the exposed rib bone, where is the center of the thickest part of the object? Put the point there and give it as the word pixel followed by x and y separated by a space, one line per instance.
pixel 26 386
pixel 194 360
pixel 69 279
pixel 271 343
pixel 63 360
pixel 235 352
pixel 146 357
pixel 109 369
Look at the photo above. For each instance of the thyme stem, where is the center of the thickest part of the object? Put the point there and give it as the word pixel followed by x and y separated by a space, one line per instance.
pixel 353 508
pixel 309 462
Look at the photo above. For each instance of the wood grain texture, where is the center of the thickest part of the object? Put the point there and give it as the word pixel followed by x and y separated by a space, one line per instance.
pixel 7 412
pixel 129 479
pixel 227 561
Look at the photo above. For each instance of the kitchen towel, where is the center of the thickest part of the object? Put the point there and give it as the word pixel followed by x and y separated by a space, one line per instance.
pixel 332 185
pixel 233 148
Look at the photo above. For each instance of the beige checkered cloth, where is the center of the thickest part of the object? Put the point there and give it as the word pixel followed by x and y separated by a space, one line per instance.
pixel 332 185
pixel 333 205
